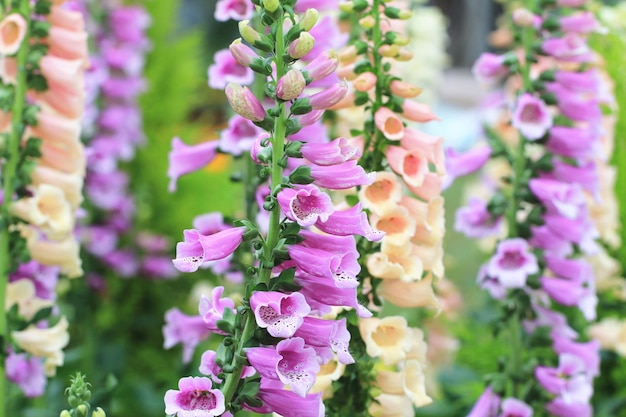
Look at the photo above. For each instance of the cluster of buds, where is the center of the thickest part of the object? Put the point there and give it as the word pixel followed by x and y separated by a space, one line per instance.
pixel 78 396
pixel 43 54
pixel 550 141
pixel 306 261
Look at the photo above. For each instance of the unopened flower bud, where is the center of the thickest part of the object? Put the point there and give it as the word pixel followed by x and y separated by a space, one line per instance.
pixel 367 22
pixel 271 5
pixel 244 102
pixel 322 66
pixel 82 410
pixel 65 413
pixel 389 51
pixel 404 55
pixel 523 17
pixel 301 46
pixel 98 412
pixel 243 54
pixel 329 97
pixel 348 54
pixel 404 89
pixel 365 82
pixel 250 35
pixel 309 19
pixel 346 7
pixel 291 85
pixel 405 14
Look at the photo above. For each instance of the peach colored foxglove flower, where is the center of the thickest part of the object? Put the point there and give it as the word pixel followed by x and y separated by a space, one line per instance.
pixel 46 343
pixel 67 19
pixel 412 165
pixel 12 31
pixel 409 381
pixel 389 124
pixel 391 405
pixel 430 219
pixel 365 82
pixel 395 262
pixel 22 293
pixel 329 372
pixel 409 294
pixel 432 258
pixel 383 194
pixel 48 209
pixel 8 69
pixel 397 224
pixel 70 184
pixel 388 338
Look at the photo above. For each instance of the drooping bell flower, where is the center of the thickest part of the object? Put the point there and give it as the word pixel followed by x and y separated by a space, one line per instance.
pixel 281 314
pixel 197 248
pixel 195 397
pixel 512 263
pixel 184 159
pixel 305 204
pixel 531 117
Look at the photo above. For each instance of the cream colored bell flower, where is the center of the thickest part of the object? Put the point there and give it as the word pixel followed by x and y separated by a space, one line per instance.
pixel 397 223
pixel 432 258
pixel 22 293
pixel 71 184
pixel 395 262
pixel 611 333
pixel 409 380
pixel 391 405
pixel 47 209
pixel 329 372
pixel 47 343
pixel 63 253
pixel 430 218
pixel 383 194
pixel 388 338
pixel 419 349
pixel 410 294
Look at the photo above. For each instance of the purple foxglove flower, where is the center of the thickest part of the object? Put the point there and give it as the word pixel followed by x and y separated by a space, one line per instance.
pixel 292 363
pixel 308 119
pixel 461 164
pixel 233 9
pixel 209 223
pixel 339 245
pixel 487 405
pixel 291 85
pixel 569 48
pixel 329 97
pixel 289 404
pixel 211 369
pixel 321 293
pixel 129 24
pixel 226 69
pixel 341 268
pixel 106 191
pixel 512 407
pixel 512 263
pixel 123 262
pixel 353 221
pixel 557 322
pixel 244 102
pixel 28 373
pixel 565 199
pixel 305 204
pixel 181 328
pixel 242 53
pixel 159 267
pixel 212 309
pixel 560 407
pixel 574 142
pixel 281 314
pixel 563 380
pixel 195 397
pixel 575 106
pixel 123 88
pixel 582 22
pixel 153 243
pixel 475 221
pixel 588 352
pixel 489 68
pixel 574 269
pixel 582 82
pixel 238 137
pixel 184 159
pixel 336 152
pixel 315 132
pixel 491 284
pixel 44 278
pixel 578 230
pixel 326 336
pixel 322 65
pixel 571 293
pixel 122 57
pixel 197 249
pixel 341 176
pixel 586 175
pixel 531 117
pixel 544 238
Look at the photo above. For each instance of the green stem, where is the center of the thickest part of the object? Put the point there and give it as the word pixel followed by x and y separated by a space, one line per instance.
pixel 515 363
pixel 278 143
pixel 232 380
pixel 9 171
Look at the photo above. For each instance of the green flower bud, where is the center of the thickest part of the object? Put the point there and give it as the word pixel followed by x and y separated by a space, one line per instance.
pixel 271 5
pixel 99 412
pixel 309 19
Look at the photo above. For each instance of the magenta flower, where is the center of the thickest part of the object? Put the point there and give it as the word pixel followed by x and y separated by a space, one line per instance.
pixel 557 322
pixel 197 249
pixel 212 309
pixel 475 221
pixel 559 407
pixel 583 22
pixel 305 204
pixel 487 405
pixel 287 403
pixel 238 137
pixel 327 336
pixel 26 372
pixel 588 352
pixel 569 380
pixel 584 174
pixel 184 159
pixel 328 97
pixel 181 328
pixel 332 153
pixel 461 164
pixel 565 199
pixel 281 314
pixel 531 117
pixel 349 222
pixel 569 48
pixel 233 9
pixel 512 263
pixel 489 67
pixel 226 69
pixel 571 293
pixel 341 176
pixel 491 284
pixel 209 223
pixel 292 363
pixel 512 407
pixel 211 369
pixel 194 398
pixel 341 268
pixel 582 82
pixel 574 142
pixel 321 66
